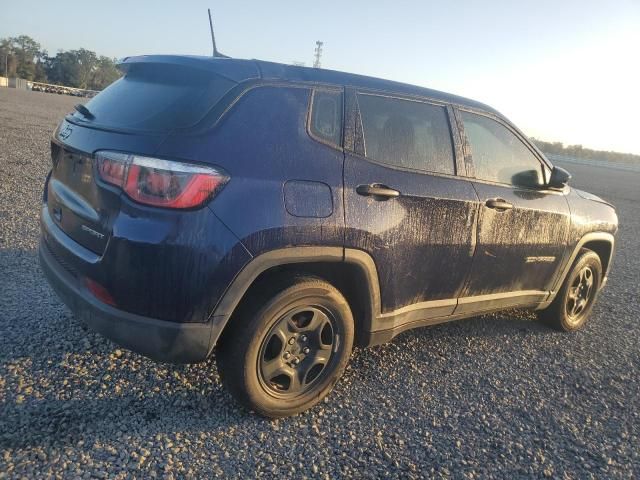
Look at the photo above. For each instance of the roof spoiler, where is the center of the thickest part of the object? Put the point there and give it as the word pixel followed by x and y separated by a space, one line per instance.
pixel 232 69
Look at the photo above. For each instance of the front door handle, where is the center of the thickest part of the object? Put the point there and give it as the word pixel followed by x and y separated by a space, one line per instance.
pixel 382 192
pixel 498 204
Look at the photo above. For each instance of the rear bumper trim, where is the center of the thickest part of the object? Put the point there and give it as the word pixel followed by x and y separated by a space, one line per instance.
pixel 157 339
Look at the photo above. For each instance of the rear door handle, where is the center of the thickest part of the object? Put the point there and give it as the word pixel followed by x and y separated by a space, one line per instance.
pixel 498 204
pixel 377 190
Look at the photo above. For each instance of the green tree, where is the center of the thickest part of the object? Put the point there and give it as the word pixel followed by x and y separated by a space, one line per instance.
pixel 81 69
pixel 25 51
pixel 63 69
pixel 87 62
pixel 6 54
pixel 41 70
pixel 104 74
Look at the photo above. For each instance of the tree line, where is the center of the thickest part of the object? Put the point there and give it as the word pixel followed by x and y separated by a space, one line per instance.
pixel 24 57
pixel 578 151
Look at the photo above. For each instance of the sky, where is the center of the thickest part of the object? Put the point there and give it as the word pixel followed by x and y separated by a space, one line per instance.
pixel 561 70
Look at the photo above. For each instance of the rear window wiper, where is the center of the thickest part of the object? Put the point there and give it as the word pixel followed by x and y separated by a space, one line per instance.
pixel 84 111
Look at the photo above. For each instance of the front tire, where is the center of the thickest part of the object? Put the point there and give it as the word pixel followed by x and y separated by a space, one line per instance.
pixel 572 306
pixel 287 349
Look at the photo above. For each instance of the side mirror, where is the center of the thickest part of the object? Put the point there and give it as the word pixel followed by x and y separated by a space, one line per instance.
pixel 559 178
pixel 527 178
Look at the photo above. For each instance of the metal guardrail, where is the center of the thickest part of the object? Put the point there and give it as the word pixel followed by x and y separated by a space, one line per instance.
pixel 630 167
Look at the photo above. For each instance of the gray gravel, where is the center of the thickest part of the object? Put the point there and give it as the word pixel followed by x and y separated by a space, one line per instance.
pixel 494 396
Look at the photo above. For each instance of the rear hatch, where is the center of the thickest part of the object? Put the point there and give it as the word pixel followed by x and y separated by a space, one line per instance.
pixel 157 96
pixel 76 203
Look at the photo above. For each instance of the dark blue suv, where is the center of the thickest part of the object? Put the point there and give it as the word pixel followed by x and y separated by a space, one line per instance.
pixel 282 213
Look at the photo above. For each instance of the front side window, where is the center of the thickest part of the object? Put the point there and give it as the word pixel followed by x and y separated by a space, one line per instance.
pixel 407 134
pixel 326 116
pixel 498 154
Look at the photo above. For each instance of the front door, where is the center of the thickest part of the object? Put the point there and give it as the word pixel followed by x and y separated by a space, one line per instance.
pixel 522 228
pixel 405 206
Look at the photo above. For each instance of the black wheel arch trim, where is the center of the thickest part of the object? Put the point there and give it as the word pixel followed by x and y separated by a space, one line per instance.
pixel 292 255
pixel 589 237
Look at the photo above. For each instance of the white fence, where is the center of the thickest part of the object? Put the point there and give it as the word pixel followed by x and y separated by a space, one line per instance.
pixel 15 82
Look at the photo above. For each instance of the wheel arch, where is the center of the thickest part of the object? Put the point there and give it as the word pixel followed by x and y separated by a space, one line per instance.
pixel 604 250
pixel 352 272
pixel 602 243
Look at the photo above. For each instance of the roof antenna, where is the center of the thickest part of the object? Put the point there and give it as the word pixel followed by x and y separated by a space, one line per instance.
pixel 216 53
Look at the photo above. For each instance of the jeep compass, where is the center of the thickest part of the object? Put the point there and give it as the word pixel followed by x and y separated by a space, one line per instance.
pixel 282 214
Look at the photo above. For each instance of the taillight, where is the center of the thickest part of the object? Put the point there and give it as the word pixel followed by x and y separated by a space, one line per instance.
pixel 161 183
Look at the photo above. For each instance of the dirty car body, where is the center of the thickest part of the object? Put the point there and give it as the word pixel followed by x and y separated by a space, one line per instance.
pixel 419 206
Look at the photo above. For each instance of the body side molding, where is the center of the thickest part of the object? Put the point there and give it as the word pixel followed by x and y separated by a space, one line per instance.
pixel 380 327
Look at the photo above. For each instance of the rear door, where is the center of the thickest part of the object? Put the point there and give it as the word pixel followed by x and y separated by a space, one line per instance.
pixel 404 204
pixel 523 227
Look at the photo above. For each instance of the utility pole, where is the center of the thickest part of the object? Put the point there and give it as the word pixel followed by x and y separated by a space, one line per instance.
pixel 6 63
pixel 318 54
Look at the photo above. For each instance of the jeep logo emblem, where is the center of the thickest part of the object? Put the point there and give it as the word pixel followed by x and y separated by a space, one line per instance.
pixel 65 132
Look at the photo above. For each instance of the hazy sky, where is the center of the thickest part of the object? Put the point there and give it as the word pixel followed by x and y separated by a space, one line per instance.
pixel 562 70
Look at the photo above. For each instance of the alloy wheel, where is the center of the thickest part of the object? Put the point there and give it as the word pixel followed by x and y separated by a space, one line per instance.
pixel 580 294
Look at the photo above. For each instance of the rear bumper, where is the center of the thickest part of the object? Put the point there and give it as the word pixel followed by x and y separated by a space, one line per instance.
pixel 158 339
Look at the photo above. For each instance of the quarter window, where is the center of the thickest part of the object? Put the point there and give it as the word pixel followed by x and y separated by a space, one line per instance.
pixel 326 116
pixel 498 154
pixel 406 133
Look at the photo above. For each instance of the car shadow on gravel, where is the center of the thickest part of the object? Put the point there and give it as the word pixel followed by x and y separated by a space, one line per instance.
pixel 59 378
pixel 51 422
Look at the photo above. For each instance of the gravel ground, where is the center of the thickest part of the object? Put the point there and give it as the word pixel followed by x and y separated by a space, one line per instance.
pixel 494 396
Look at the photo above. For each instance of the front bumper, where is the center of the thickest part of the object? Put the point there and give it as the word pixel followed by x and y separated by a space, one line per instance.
pixel 158 339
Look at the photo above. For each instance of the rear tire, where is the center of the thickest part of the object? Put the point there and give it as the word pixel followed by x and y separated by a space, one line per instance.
pixel 572 306
pixel 287 347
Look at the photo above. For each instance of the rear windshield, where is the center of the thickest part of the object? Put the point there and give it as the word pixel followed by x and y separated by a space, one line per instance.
pixel 157 98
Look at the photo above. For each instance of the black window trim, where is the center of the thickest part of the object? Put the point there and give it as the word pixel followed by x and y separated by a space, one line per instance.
pixel 358 146
pixel 243 88
pixel 544 163
pixel 338 90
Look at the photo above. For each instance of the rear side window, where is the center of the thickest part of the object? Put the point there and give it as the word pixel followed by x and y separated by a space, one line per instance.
pixel 326 116
pixel 498 154
pixel 406 134
pixel 158 98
